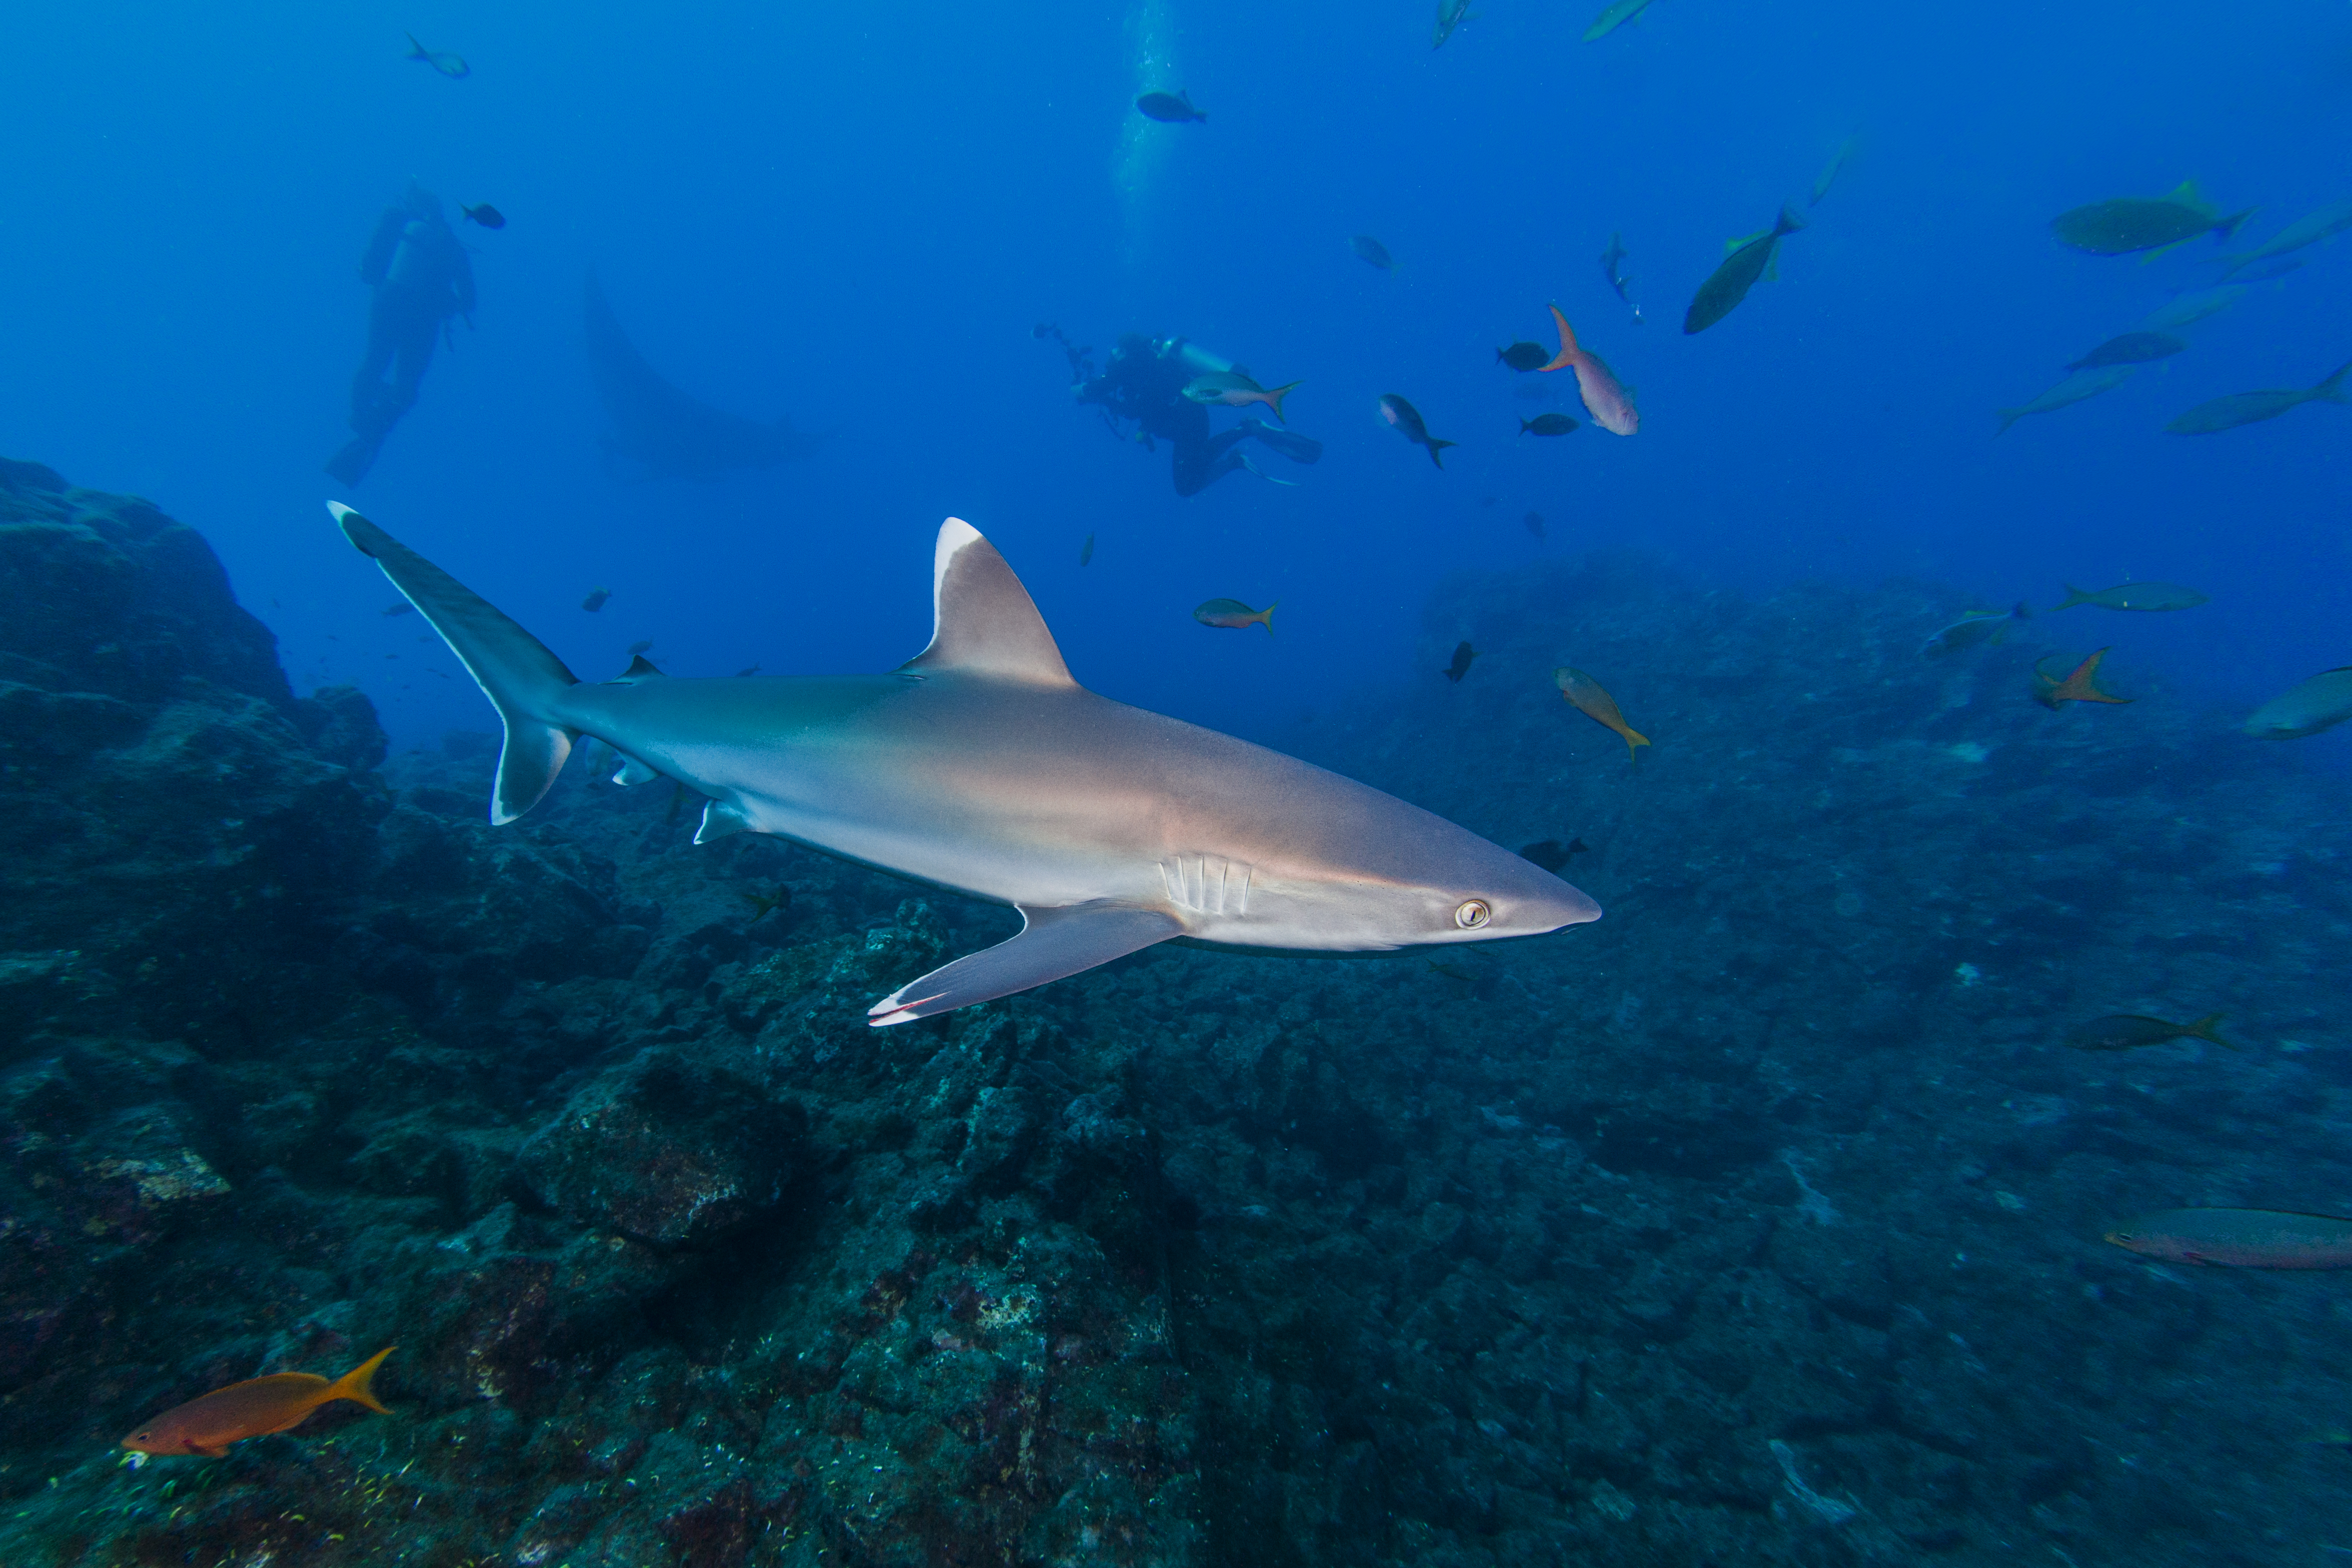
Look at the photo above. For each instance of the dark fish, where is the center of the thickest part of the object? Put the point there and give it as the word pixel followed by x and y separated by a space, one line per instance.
pixel 402 608
pixel 1409 425
pixel 1974 630
pixel 2129 1032
pixel 1748 260
pixel 2332 219
pixel 2320 703
pixel 2130 349
pixel 253 1408
pixel 2240 1238
pixel 2075 389
pixel 1463 653
pixel 488 216
pixel 1523 356
pixel 1613 267
pixel 1551 854
pixel 746 670
pixel 1451 13
pixel 1232 615
pixel 2135 596
pixel 2141 223
pixel 1616 16
pixel 2081 684
pixel 761 903
pixel 1169 107
pixel 635 648
pixel 1370 250
pixel 1828 177
pixel 1086 550
pixel 1547 424
pixel 596 600
pixel 1533 522
pixel 449 65
pixel 2250 408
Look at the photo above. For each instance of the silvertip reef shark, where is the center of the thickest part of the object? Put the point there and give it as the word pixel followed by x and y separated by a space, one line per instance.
pixel 981 766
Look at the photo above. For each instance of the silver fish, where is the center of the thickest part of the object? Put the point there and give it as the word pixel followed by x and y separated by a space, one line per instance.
pixel 979 765
pixel 2074 389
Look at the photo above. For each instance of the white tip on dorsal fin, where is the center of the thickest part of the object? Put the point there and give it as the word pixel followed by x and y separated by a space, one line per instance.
pixel 982 620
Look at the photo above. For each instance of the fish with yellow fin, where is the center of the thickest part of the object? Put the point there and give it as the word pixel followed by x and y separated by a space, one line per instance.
pixel 253 1408
pixel 1589 697
pixel 2081 684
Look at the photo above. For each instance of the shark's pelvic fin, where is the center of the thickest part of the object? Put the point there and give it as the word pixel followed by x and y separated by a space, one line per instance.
pixel 718 820
pixel 982 620
pixel 513 668
pixel 633 771
pixel 1052 943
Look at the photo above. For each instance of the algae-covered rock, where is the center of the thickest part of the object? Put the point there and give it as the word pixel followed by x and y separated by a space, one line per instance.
pixel 670 1148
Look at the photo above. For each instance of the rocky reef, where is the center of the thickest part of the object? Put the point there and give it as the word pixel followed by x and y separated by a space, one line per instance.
pixel 1760 1222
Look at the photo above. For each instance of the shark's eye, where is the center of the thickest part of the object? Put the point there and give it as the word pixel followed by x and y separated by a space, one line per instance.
pixel 1473 914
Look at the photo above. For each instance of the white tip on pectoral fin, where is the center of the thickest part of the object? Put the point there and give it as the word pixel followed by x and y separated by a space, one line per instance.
pixel 1051 944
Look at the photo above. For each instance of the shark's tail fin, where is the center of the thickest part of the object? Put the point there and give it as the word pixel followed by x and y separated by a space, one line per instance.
pixel 514 669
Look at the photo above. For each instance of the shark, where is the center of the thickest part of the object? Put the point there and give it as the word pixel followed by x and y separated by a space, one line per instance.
pixel 982 766
pixel 670 433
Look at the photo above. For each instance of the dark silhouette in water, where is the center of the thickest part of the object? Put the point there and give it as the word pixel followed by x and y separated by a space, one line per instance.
pixel 1145 383
pixel 420 278
pixel 666 432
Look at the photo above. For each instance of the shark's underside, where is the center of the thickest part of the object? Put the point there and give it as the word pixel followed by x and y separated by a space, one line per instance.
pixel 979 765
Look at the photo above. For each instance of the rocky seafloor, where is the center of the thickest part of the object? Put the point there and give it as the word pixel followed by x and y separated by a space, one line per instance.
pixel 1758 1223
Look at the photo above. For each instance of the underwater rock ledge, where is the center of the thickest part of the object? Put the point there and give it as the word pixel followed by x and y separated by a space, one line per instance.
pixel 1757 1222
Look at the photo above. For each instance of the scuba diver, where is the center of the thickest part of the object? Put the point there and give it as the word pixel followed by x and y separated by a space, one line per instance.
pixel 1146 382
pixel 420 278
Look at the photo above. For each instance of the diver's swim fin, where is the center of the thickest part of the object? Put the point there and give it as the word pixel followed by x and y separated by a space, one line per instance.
pixel 350 465
pixel 1263 475
pixel 1289 443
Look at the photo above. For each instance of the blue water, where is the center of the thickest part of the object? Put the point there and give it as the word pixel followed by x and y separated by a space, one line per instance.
pixel 855 215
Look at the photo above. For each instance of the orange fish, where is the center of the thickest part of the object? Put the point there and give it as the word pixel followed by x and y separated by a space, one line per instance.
pixel 253 1408
pixel 1597 705
pixel 1605 398
pixel 2081 687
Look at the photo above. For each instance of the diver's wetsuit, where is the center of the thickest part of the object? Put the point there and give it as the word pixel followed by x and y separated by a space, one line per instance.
pixel 421 277
pixel 1145 383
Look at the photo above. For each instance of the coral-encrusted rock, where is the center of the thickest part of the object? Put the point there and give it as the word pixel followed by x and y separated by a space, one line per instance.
pixel 669 1148
pixel 129 601
pixel 161 805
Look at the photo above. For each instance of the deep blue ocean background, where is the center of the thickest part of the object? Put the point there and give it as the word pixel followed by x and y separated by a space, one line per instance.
pixel 855 215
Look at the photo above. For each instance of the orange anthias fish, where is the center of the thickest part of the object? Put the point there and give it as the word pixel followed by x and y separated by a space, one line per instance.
pixel 253 1408
pixel 1596 704
pixel 2080 686
pixel 1611 406
pixel 2240 1238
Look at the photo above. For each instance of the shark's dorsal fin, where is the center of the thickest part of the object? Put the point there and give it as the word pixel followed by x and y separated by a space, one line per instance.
pixel 983 621
pixel 640 668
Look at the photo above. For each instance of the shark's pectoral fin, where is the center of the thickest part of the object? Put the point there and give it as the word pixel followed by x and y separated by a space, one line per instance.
pixel 1053 944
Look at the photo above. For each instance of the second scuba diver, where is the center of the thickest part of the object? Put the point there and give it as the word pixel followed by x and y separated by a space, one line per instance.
pixel 1144 383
